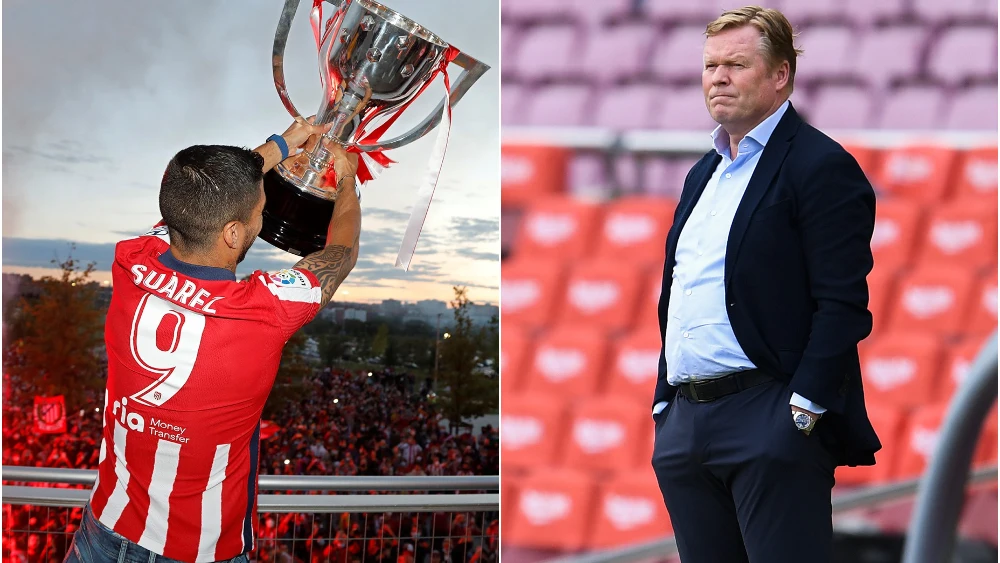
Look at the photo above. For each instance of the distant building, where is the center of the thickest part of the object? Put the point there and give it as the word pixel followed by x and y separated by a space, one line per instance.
pixel 356 314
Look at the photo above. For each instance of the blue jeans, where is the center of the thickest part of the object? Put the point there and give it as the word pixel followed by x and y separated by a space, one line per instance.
pixel 93 542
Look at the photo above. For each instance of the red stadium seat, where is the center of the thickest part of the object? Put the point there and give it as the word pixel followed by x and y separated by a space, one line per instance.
pixel 888 422
pixel 918 173
pixel 957 362
pixel 515 350
pixel 552 510
pixel 901 369
pixel 629 510
pixel 932 300
pixel 982 318
pixel 647 317
pixel 897 223
pixel 604 433
pixel 963 233
pixel 568 362
pixel 634 364
pixel 529 291
pixel 867 157
pixel 558 229
pixel 601 293
pixel 977 176
pixel 527 171
pixel 920 438
pixel 881 285
pixel 635 229
pixel 531 430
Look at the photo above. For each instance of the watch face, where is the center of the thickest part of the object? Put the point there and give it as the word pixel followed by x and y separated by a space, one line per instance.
pixel 802 421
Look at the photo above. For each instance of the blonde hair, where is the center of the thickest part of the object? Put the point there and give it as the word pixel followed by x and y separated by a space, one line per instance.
pixel 776 34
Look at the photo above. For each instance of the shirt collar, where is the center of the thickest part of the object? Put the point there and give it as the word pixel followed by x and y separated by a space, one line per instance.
pixel 209 273
pixel 760 134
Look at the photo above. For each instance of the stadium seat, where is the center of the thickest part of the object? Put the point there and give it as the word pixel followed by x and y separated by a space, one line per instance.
pixel 867 157
pixel 881 294
pixel 647 318
pixel 683 109
pixel 920 437
pixel 905 43
pixel 530 171
pixel 956 367
pixel 601 294
pixel 912 107
pixel 605 432
pixel 515 350
pixel 546 52
pixel 867 13
pixel 962 233
pixel 982 318
pixel 556 105
pixel 949 59
pixel 973 109
pixel 552 509
pixel 932 300
pixel 635 229
pixel 977 176
pixel 559 229
pixel 534 10
pixel 529 291
pixel 888 422
pixel 629 510
pixel 532 427
pixel 625 107
pixel 935 11
pixel 634 363
pixel 831 48
pixel 919 173
pixel 901 369
pixel 803 13
pixel 841 107
pixel 678 56
pixel 568 362
pixel 672 11
pixel 897 226
pixel 616 53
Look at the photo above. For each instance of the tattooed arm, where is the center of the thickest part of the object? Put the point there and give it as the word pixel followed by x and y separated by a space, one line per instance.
pixel 332 264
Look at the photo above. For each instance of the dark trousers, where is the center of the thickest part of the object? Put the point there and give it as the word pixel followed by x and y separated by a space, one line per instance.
pixel 741 482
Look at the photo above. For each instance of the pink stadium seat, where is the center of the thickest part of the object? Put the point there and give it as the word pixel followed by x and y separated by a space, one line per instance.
pixel 684 109
pixel 560 105
pixel 546 52
pixel 869 12
pixel 828 52
pixel 892 52
pixel 800 12
pixel 595 14
pixel 627 107
pixel 532 10
pixel 616 53
pixel 841 107
pixel 915 107
pixel 964 52
pixel 682 10
pixel 936 10
pixel 973 109
pixel 511 103
pixel 680 54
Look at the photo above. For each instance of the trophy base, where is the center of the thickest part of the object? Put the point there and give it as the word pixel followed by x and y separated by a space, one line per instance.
pixel 294 221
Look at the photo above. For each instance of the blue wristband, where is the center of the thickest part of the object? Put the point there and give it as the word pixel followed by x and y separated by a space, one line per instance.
pixel 280 141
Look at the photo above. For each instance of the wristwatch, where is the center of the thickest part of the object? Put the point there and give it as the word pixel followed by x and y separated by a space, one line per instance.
pixel 803 420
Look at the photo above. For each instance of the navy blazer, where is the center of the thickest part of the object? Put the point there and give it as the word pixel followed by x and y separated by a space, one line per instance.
pixel 798 256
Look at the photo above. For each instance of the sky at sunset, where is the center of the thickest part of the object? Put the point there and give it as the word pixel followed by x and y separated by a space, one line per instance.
pixel 99 95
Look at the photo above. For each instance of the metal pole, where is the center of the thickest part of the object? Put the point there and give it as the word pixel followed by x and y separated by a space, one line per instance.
pixel 940 495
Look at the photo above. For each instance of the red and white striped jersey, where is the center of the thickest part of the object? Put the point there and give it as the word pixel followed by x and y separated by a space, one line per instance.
pixel 192 356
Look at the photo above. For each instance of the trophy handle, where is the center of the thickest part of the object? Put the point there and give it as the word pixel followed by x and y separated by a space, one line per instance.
pixel 278 55
pixel 472 70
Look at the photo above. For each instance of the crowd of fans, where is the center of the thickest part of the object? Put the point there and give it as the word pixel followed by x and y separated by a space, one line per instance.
pixel 342 423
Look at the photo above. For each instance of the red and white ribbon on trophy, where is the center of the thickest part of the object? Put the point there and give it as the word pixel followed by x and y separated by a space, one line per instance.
pixel 372 163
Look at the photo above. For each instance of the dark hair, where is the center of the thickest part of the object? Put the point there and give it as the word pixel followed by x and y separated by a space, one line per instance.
pixel 205 187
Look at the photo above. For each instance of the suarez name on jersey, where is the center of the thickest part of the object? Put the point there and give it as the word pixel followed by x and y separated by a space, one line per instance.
pixel 192 357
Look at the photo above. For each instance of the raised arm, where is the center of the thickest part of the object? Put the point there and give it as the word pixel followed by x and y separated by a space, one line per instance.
pixel 297 134
pixel 332 264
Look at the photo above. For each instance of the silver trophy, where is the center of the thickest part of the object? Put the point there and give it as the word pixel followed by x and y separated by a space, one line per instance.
pixel 373 60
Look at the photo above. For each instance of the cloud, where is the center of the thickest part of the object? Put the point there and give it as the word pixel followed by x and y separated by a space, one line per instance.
pixel 475 229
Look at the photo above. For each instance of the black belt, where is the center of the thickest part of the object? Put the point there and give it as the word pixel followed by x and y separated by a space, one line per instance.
pixel 712 389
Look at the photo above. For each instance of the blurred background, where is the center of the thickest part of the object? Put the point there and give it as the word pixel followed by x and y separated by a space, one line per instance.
pixel 603 116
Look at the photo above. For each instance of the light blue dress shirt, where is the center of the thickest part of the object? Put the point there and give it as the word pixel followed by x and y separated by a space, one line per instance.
pixel 699 342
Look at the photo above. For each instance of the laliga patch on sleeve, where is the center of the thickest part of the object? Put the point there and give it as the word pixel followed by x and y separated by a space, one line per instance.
pixel 289 278
pixel 158 231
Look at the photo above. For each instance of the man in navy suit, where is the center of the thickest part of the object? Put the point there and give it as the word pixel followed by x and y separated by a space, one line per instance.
pixel 763 305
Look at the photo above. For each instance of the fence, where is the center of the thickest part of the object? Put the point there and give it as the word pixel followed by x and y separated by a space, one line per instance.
pixel 454 521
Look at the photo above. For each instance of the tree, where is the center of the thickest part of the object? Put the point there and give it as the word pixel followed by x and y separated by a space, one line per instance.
pixel 56 337
pixel 390 359
pixel 381 340
pixel 465 391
